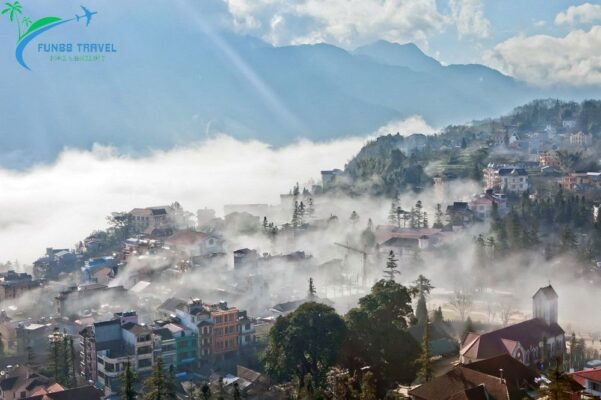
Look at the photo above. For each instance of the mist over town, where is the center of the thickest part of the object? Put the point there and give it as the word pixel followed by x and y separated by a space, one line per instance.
pixel 303 200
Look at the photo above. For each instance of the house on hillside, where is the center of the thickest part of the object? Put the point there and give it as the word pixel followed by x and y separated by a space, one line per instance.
pixel 530 342
pixel 482 204
pixel 509 179
pixel 195 244
pixel 591 381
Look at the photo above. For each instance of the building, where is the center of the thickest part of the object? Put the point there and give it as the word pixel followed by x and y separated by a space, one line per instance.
pixel 20 382
pixel 330 177
pixel 195 244
pixel 150 218
pixel 591 381
pixel 246 330
pixel 549 159
pixel 581 139
pixel 216 326
pixel 55 263
pixel 459 213
pixel 482 204
pixel 57 392
pixel 501 377
pixel 78 298
pixel 530 342
pixel 506 178
pixel 98 337
pixel 99 270
pixel 13 285
pixel 581 181
pixel 245 258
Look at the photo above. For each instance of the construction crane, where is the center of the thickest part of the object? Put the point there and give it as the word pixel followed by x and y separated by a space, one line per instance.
pixel 364 254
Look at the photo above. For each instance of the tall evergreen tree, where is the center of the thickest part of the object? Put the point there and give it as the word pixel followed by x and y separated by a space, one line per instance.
pixel 421 310
pixel 425 362
pixel 128 380
pixel 312 291
pixel 391 266
pixel 155 385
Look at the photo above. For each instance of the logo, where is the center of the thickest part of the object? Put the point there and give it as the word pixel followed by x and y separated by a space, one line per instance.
pixel 28 30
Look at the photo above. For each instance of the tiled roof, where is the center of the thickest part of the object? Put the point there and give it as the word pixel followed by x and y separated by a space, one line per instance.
pixel 84 392
pixel 528 333
pixel 591 374
pixel 458 381
pixel 516 374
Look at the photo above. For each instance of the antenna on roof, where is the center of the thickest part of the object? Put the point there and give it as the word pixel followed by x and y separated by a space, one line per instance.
pixel 501 374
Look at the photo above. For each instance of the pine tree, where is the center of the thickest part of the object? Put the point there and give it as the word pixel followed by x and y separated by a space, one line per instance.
pixel 421 310
pixel 1 346
pixel 310 207
pixel 558 387
pixel 265 223
pixel 425 223
pixel 312 291
pixel 425 370
pixel 295 216
pixel 354 218
pixel 154 386
pixel 170 384
pixel 369 389
pixel 391 266
pixel 301 213
pixel 419 217
pixel 438 317
pixel 128 380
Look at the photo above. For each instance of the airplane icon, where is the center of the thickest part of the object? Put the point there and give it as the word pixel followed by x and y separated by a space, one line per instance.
pixel 87 14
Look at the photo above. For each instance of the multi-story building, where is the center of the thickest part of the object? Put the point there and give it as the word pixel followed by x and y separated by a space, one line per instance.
pixel 13 284
pixel 246 330
pixel 548 159
pixel 581 139
pixel 581 181
pixel 506 178
pixel 135 347
pixel 101 336
pixel 216 326
pixel 482 204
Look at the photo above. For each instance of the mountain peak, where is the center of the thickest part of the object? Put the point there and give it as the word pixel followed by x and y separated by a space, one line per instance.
pixel 404 55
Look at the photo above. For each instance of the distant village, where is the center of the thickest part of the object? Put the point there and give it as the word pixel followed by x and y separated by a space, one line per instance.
pixel 215 302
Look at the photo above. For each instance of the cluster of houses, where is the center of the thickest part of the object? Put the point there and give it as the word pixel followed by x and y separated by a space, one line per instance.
pixel 188 335
pixel 505 363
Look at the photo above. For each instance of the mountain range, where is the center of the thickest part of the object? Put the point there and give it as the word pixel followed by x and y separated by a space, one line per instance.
pixel 157 97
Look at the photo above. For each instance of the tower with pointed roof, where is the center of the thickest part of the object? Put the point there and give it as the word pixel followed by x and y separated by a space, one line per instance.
pixel 544 304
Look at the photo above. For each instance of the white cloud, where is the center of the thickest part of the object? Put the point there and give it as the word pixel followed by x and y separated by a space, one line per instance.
pixel 586 13
pixel 543 60
pixel 59 204
pixel 468 15
pixel 353 22
pixel 413 124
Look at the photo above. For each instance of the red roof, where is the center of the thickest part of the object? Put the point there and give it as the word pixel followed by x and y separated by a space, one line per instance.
pixel 186 238
pixel 589 374
pixel 502 341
